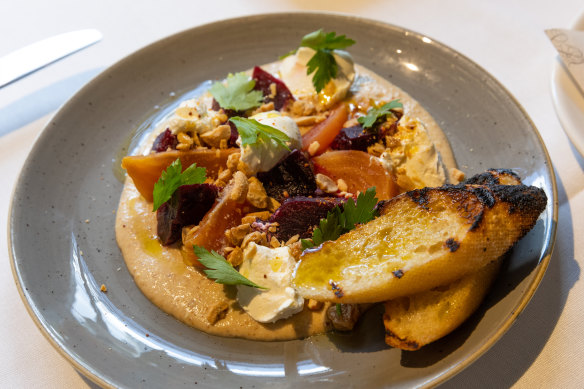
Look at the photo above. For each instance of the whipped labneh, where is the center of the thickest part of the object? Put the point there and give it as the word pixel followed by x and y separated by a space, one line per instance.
pixel 412 157
pixel 293 71
pixel 261 157
pixel 195 115
pixel 272 269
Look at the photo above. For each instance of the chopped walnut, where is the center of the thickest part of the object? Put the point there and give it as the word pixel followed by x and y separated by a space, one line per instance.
pixel 273 204
pixel 292 240
pixel 236 234
pixel 232 161
pixel 314 305
pixel 376 149
pixel 295 249
pixel 309 120
pixel 326 184
pixel 343 187
pixel 213 138
pixel 256 237
pixel 274 242
pixel 251 217
pixel 240 187
pixel 217 311
pixel 456 175
pixel 185 142
pixel 265 107
pixel 223 178
pixel 256 194
pixel 313 148
pixel 235 257
pixel 303 107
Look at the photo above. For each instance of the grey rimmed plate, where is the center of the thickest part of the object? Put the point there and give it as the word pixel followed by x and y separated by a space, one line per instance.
pixel 62 239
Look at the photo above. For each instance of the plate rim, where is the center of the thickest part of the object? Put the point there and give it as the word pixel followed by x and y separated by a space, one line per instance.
pixel 539 269
pixel 558 73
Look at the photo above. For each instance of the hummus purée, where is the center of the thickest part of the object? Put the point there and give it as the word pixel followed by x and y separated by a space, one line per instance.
pixel 185 291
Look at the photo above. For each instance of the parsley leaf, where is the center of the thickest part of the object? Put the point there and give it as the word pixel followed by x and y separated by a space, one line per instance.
pixel 338 222
pixel 374 113
pixel 238 93
pixel 319 40
pixel 250 130
pixel 218 269
pixel 172 178
pixel 323 63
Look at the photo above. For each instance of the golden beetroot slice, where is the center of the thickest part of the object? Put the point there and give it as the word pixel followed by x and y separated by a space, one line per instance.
pixel 146 169
pixel 359 170
pixel 225 214
pixel 326 131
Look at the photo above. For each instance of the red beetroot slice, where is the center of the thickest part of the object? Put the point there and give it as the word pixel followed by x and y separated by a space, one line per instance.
pixel 354 138
pixel 164 141
pixel 263 81
pixel 293 176
pixel 299 215
pixel 187 206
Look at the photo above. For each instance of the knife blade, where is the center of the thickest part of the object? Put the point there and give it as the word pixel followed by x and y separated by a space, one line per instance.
pixel 33 57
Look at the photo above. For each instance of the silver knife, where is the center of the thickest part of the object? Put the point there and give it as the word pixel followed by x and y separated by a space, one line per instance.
pixel 33 57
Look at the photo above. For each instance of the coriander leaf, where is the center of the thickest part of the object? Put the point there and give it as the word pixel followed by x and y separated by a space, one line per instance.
pixel 324 66
pixel 172 178
pixel 250 130
pixel 338 222
pixel 374 113
pixel 218 269
pixel 237 93
pixel 319 40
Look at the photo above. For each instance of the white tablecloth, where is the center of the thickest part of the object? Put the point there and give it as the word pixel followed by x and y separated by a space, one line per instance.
pixel 544 348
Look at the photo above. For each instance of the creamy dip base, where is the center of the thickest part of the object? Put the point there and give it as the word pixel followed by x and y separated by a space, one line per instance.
pixel 187 294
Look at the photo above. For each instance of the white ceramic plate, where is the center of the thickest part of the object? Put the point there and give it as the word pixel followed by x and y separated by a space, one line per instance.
pixel 569 100
pixel 62 215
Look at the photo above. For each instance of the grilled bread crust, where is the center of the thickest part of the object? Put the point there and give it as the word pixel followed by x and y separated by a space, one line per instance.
pixel 414 321
pixel 422 239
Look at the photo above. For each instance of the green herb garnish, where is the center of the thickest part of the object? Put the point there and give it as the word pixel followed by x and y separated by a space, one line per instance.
pixel 339 311
pixel 323 63
pixel 218 269
pixel 237 93
pixel 338 222
pixel 375 114
pixel 250 131
pixel 172 178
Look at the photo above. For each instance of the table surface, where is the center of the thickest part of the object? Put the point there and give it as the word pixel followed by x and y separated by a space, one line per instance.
pixel 544 347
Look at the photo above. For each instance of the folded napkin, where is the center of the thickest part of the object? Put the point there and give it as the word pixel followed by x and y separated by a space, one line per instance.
pixel 570 46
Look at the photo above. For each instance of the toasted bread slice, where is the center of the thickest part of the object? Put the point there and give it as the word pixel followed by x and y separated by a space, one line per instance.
pixel 424 238
pixel 414 321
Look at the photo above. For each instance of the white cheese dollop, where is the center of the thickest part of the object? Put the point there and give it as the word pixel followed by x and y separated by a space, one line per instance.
pixel 195 115
pixel 261 157
pixel 413 159
pixel 272 269
pixel 293 73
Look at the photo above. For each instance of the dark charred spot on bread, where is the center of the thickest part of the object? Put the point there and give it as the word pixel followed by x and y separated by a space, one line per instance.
pixel 494 177
pixel 336 289
pixel 404 344
pixel 452 244
pixel 398 273
pixel 420 197
pixel 522 198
